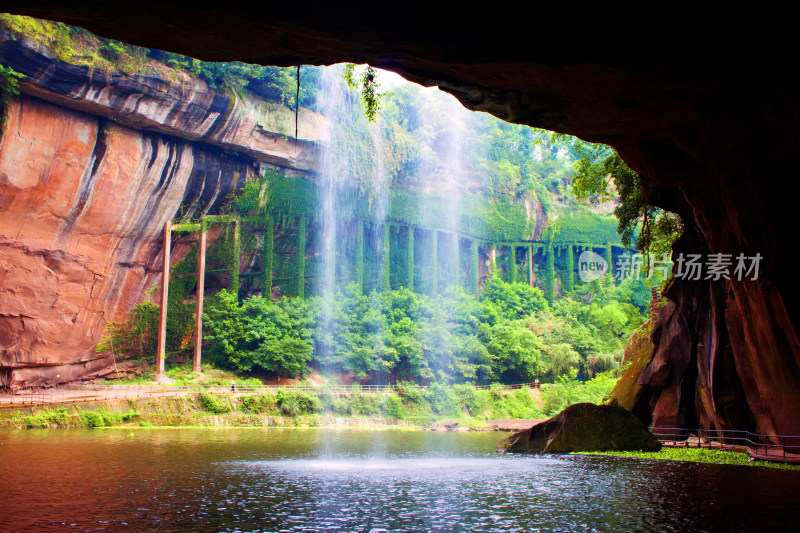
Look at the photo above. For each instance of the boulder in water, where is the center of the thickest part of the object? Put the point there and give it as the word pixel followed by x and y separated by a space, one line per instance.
pixel 584 427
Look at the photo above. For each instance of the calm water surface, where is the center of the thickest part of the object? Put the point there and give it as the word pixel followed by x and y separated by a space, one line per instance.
pixel 362 480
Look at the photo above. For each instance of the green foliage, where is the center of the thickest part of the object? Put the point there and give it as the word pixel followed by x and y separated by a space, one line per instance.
pixel 75 45
pixel 550 277
pixel 258 334
pixel 567 391
pixel 113 418
pixel 180 311
pixel 584 228
pixel 9 86
pixel 368 86
pixel 600 175
pixel 699 455
pixel 112 50
pixel 509 333
pixel 291 196
pixel 46 418
pixel 261 404
pixel 93 419
pixel 512 300
pixel 515 351
pixel 296 403
pixel 215 404
pixel 137 335
pixel 300 278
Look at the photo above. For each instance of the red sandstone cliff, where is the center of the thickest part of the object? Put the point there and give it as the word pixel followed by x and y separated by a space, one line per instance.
pixel 91 168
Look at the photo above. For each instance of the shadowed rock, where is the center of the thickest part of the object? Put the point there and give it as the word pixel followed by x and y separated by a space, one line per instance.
pixel 584 427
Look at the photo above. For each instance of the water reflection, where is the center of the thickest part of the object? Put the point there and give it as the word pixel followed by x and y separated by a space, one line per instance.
pixel 356 480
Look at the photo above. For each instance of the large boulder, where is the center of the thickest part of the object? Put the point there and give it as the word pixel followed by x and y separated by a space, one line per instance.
pixel 584 427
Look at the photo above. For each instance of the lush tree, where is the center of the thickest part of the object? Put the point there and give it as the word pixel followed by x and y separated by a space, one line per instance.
pixel 602 175
pixel 258 334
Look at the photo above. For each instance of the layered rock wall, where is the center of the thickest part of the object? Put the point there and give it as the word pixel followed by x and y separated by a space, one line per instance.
pixel 83 202
pixel 91 168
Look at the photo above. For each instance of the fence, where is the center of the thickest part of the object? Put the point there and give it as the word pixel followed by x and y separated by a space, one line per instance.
pixel 82 393
pixel 758 445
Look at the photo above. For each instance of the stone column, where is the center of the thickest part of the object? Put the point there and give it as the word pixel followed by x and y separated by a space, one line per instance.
pixel 360 253
pixel 267 258
pixel 410 259
pixel 570 279
pixel 474 261
pixel 301 257
pixel 233 278
pixel 198 317
pixel 386 262
pixel 530 265
pixel 435 261
pixel 512 264
pixel 550 293
pixel 162 319
pixel 455 263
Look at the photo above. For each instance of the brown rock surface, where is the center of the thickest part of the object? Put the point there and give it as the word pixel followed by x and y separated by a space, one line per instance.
pixel 584 427
pixel 82 205
pixel 173 103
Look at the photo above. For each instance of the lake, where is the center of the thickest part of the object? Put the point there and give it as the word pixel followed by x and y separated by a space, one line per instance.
pixel 364 480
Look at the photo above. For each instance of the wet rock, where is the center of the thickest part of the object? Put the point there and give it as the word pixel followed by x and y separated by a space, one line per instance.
pixel 584 427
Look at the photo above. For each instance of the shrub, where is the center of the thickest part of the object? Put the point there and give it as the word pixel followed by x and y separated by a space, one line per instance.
pixel 212 404
pixel 444 400
pixel 93 419
pixel 394 407
pixel 363 405
pixel 474 401
pixel 294 403
pixel 35 421
pixel 261 404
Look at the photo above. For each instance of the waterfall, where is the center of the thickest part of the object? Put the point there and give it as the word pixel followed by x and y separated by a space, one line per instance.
pixel 352 203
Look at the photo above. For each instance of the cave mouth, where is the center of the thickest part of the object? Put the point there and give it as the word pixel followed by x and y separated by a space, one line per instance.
pixel 701 138
pixel 426 211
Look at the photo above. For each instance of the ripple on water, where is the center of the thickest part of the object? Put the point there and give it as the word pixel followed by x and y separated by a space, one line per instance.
pixel 197 480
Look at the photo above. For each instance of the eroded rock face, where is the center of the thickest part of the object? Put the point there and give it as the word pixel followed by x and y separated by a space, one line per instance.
pixel 173 103
pixel 695 372
pixel 83 202
pixel 92 165
pixel 584 427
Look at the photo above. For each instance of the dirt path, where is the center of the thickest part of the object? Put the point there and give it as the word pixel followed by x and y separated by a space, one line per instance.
pixel 66 397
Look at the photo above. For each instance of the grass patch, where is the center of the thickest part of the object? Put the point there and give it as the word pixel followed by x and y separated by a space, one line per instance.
pixel 697 455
